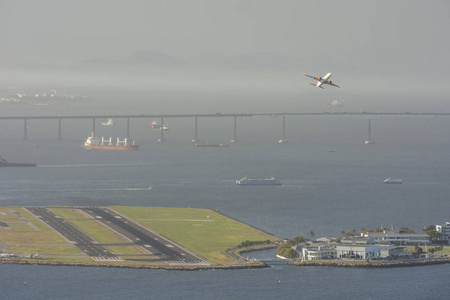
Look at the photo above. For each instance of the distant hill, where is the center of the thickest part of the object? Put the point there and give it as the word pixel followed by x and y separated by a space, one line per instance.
pixel 139 58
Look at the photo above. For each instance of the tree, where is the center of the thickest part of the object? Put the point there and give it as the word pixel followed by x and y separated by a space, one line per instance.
pixel 429 228
pixel 296 240
pixel 286 251
pixel 417 250
pixel 311 234
pixel 405 230
pixel 432 233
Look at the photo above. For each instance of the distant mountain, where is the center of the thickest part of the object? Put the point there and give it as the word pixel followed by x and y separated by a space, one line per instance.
pixel 154 58
pixel 139 58
pixel 257 61
pixel 250 61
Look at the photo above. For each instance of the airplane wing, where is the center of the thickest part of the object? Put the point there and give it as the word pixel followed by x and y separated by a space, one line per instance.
pixel 334 84
pixel 315 78
pixel 317 86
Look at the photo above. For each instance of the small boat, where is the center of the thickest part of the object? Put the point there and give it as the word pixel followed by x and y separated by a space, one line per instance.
pixel 109 123
pixel 391 180
pixel 211 145
pixel 4 163
pixel 157 127
pixel 267 181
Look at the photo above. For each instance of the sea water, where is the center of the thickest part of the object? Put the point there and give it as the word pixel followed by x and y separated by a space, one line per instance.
pixel 331 182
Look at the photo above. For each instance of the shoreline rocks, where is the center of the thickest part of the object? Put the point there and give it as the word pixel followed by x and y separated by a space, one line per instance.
pixel 370 264
pixel 154 267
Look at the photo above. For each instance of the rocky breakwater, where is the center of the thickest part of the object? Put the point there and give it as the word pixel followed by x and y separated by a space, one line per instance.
pixel 253 265
pixel 371 263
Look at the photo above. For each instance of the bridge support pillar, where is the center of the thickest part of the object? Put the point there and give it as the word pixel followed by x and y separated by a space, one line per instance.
pixel 25 136
pixel 59 130
pixel 235 140
pixel 369 141
pixel 161 131
pixel 128 129
pixel 283 140
pixel 195 139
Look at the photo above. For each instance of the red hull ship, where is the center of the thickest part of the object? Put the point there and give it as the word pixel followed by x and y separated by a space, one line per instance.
pixel 94 142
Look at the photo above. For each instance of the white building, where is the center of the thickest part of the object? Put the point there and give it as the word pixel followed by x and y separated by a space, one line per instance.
pixel 391 251
pixel 358 251
pixel 396 238
pixel 444 230
pixel 317 252
pixel 357 240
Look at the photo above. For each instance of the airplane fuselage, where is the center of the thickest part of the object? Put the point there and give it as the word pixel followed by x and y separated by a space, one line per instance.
pixel 323 80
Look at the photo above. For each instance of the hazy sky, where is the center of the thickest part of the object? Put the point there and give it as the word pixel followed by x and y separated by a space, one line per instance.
pixel 415 32
pixel 385 50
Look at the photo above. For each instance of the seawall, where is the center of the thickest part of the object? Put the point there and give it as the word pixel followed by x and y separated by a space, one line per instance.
pixel 370 264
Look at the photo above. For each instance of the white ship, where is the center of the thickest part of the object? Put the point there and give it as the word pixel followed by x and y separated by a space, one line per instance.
pixel 267 181
pixel 158 127
pixel 391 180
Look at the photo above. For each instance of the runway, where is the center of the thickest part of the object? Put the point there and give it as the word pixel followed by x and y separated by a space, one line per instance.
pixel 159 248
pixel 74 235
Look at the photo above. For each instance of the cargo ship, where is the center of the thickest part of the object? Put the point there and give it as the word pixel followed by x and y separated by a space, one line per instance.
pixel 267 181
pixel 4 163
pixel 157 127
pixel 94 142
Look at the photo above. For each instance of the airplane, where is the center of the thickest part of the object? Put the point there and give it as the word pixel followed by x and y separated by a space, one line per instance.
pixel 321 80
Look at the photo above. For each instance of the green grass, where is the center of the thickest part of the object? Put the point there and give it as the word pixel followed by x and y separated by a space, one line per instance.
pixel 200 230
pixel 44 234
pixel 97 231
pixel 446 249
pixel 45 250
pixel 70 213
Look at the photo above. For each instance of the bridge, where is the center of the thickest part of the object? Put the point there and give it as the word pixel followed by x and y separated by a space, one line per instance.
pixel 368 115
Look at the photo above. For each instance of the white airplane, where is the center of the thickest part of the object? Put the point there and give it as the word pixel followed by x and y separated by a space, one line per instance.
pixel 321 80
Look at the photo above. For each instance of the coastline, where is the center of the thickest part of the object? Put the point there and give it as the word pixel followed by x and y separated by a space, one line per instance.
pixel 255 265
pixel 370 264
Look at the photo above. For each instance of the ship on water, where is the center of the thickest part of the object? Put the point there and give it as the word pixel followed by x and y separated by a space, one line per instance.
pixel 94 142
pixel 158 127
pixel 5 163
pixel 109 123
pixel 390 180
pixel 267 181
pixel 211 145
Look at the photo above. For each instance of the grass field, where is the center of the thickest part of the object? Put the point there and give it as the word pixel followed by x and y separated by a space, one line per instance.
pixel 201 230
pixel 25 228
